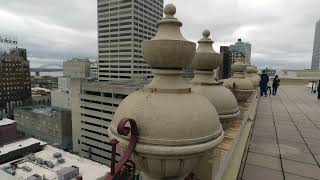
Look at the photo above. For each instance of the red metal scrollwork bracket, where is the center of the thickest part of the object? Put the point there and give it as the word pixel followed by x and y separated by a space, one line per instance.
pixel 125 167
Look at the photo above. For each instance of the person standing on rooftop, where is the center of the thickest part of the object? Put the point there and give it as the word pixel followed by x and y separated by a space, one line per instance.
pixel 275 85
pixel 264 83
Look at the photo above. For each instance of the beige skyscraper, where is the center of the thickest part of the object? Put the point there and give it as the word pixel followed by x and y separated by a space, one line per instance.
pixel 122 27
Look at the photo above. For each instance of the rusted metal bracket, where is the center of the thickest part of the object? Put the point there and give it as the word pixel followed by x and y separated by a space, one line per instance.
pixel 125 168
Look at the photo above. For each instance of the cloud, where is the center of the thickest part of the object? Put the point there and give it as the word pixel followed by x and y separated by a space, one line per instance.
pixel 281 31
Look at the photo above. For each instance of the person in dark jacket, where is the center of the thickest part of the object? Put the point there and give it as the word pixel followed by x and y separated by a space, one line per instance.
pixel 275 85
pixel 264 79
pixel 318 90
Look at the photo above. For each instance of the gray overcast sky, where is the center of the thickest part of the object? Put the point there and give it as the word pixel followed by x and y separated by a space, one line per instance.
pixel 281 31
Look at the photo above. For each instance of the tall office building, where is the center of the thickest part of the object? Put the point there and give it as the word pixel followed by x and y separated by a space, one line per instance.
pixel 15 83
pixel 316 48
pixel 240 49
pixel 122 27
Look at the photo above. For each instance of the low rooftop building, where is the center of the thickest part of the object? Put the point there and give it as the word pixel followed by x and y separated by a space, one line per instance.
pixel 49 124
pixel 41 96
pixel 50 163
pixel 18 149
pixel 8 130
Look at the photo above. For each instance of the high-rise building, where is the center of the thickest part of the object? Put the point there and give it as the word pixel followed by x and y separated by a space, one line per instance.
pixel 15 84
pixel 122 26
pixel 240 49
pixel 225 66
pixel 316 48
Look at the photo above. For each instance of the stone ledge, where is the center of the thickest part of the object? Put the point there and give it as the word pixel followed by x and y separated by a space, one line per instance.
pixel 225 162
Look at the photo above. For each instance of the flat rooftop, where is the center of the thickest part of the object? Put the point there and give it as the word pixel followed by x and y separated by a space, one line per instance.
pixel 87 169
pixel 42 109
pixel 285 142
pixel 5 122
pixel 19 145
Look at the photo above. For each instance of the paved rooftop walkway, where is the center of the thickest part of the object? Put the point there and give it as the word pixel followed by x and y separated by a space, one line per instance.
pixel 285 142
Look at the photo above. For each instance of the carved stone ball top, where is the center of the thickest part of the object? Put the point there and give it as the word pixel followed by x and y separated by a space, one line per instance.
pixel 206 58
pixel 169 49
pixel 206 33
pixel 170 10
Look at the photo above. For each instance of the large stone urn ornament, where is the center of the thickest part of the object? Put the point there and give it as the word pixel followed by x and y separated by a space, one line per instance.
pixel 239 85
pixel 176 126
pixel 204 63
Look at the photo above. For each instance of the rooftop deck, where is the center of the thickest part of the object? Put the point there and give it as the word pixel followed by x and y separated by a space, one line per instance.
pixel 285 142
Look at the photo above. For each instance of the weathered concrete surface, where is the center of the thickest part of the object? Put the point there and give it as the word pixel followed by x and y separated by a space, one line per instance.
pixel 285 142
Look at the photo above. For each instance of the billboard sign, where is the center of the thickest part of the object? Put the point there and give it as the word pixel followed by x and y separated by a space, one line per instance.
pixel 8 43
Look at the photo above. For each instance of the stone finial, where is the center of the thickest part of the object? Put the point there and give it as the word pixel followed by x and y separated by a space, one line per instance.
pixel 206 58
pixel 169 49
pixel 204 62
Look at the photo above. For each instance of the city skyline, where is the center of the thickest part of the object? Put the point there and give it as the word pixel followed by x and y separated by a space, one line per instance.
pixel 279 36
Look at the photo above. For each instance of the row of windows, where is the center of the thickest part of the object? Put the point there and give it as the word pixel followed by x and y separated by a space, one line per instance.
pixel 115 24
pixel 115 40
pixel 96 147
pixel 116 95
pixel 113 3
pixel 115 56
pixel 153 4
pixel 96 117
pixel 116 66
pixel 114 8
pixel 95 125
pixel 97 140
pixel 145 19
pixel 115 77
pixel 151 27
pixel 94 132
pixel 114 45
pixel 120 13
pixel 115 35
pixel 113 61
pixel 115 51
pixel 115 19
pixel 98 102
pixel 97 110
pixel 119 56
pixel 115 30
pixel 148 10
